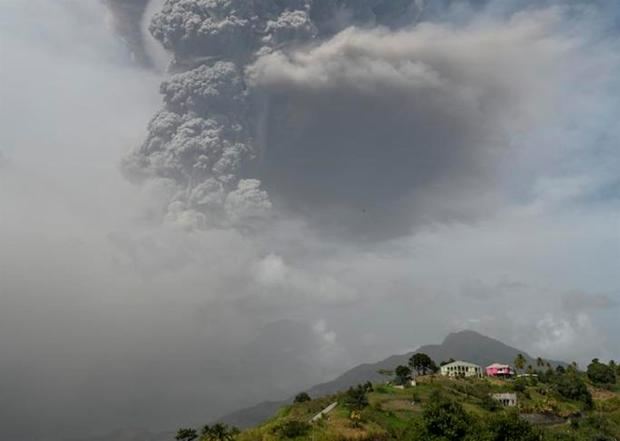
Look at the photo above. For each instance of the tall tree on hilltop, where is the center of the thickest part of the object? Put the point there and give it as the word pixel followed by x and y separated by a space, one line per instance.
pixel 520 362
pixel 540 362
pixel 422 363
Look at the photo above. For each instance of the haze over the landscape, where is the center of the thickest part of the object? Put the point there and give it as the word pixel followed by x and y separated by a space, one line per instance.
pixel 314 185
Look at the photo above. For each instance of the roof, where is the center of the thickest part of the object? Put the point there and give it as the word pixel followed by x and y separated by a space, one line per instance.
pixel 461 363
pixel 499 366
pixel 505 396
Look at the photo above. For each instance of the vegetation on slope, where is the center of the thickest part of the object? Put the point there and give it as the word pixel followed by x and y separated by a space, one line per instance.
pixel 560 404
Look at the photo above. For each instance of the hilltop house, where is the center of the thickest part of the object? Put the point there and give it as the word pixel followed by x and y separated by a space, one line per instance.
pixel 499 370
pixel 461 369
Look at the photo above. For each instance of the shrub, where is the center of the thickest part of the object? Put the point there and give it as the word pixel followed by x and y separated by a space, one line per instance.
pixel 600 373
pixel 519 385
pixel 509 426
pixel 302 397
pixel 445 420
pixel 356 398
pixel 574 388
pixel 293 429
pixel 381 389
pixel 490 404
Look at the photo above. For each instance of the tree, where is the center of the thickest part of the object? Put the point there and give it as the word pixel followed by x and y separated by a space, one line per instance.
pixel 570 386
pixel 403 374
pixel 601 373
pixel 540 362
pixel 509 427
pixel 445 420
pixel 356 398
pixel 302 397
pixel 205 431
pixel 520 362
pixel 218 432
pixel 186 435
pixel 520 385
pixel 422 363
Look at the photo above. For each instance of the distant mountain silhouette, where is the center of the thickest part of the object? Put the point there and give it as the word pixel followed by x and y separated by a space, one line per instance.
pixel 465 345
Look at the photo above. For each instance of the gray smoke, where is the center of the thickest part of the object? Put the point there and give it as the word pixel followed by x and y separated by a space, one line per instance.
pixel 294 106
pixel 210 141
pixel 366 118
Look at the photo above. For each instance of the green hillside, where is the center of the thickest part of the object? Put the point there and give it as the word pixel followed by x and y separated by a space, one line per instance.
pixel 463 345
pixel 560 404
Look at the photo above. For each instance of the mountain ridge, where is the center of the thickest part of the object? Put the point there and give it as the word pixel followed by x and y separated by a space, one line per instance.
pixel 466 345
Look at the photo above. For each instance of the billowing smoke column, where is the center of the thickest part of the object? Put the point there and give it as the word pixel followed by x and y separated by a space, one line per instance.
pixel 203 144
pixel 368 119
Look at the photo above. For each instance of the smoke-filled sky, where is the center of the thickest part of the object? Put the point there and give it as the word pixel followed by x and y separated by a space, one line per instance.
pixel 315 184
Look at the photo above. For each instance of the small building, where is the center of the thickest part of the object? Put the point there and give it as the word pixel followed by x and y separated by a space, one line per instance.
pixel 499 370
pixel 506 399
pixel 461 369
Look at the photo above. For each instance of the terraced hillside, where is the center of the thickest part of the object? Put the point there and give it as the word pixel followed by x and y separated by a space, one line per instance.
pixel 555 405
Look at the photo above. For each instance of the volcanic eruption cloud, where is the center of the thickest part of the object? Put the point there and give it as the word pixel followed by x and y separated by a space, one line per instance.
pixel 368 118
pixel 322 183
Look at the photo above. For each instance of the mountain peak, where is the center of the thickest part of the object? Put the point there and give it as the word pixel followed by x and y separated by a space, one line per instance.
pixel 463 345
pixel 469 336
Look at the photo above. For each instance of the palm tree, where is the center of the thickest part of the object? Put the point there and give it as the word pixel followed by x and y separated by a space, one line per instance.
pixel 540 362
pixel 520 362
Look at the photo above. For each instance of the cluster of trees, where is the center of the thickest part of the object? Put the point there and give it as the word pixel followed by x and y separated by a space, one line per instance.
pixel 216 432
pixel 568 381
pixel 419 362
pixel 446 420
pixel 601 373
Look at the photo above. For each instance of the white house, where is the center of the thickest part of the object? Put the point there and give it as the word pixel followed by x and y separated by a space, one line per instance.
pixel 461 369
pixel 506 399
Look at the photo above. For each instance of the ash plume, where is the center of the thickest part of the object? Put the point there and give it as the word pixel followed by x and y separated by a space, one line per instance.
pixel 306 102
pixel 481 140
pixel 205 141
